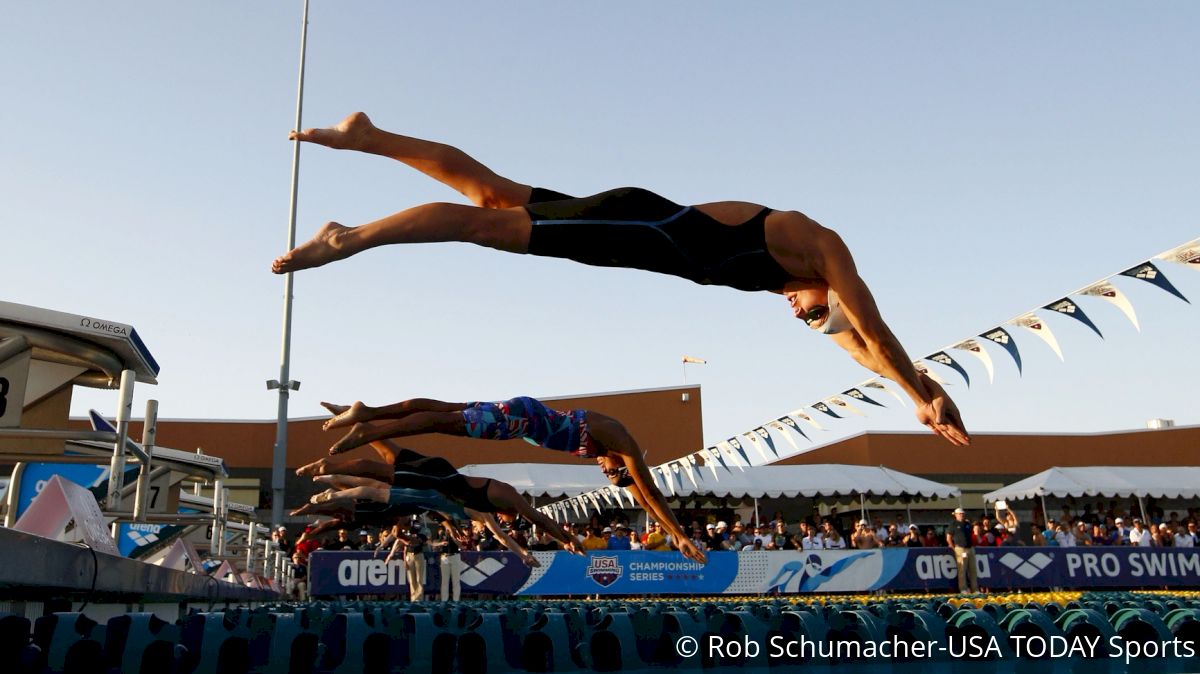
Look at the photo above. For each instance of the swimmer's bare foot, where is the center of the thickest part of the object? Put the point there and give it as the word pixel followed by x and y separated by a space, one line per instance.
pixel 327 245
pixel 329 496
pixel 349 134
pixel 347 415
pixel 318 467
pixel 355 438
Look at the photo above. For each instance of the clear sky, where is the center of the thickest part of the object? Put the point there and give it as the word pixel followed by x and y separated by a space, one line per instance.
pixel 979 159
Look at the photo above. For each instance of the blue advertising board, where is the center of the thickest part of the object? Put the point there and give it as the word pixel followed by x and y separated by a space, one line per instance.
pixel 770 572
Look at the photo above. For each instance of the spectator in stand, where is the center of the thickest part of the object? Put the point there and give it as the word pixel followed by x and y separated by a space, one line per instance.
pixel 1140 535
pixel 978 537
pixel 1049 533
pixel 596 539
pixel 1083 537
pixel 721 537
pixel 279 540
pixel 635 540
pixel 738 536
pixel 780 535
pixel 300 576
pixel 959 538
pixel 812 538
pixel 864 537
pixel 930 539
pixel 833 539
pixel 1186 537
pixel 364 540
pixel 619 539
pixel 912 539
pixel 762 534
pixel 656 540
pixel 1163 537
pixel 894 539
pixel 1064 536
pixel 881 531
pixel 1120 534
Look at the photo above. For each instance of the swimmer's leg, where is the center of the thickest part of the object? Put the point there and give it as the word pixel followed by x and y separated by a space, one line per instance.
pixel 506 229
pixel 444 163
pixel 446 423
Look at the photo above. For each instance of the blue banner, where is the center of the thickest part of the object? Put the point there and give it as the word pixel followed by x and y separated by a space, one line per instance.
pixel 641 572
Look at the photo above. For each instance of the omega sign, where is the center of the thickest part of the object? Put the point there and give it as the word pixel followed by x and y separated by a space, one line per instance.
pixel 103 326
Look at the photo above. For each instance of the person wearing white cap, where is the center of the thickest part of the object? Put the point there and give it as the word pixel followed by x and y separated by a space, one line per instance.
pixel 959 538
pixel 726 243
pixel 1120 532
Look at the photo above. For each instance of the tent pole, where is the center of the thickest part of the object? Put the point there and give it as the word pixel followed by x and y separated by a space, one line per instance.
pixel 756 522
pixel 1145 515
pixel 862 506
pixel 908 511
pixel 1045 513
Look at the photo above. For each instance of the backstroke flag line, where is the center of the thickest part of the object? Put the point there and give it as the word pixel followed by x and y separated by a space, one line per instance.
pixel 733 451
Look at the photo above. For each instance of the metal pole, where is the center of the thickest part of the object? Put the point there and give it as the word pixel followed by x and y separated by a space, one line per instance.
pixel 149 434
pixel 285 384
pixel 116 467
pixel 1045 513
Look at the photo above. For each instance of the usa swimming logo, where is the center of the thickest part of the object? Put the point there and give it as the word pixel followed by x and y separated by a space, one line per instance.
pixel 604 570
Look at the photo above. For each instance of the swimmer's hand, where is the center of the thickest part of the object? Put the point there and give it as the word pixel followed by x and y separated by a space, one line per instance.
pixel 941 415
pixel 574 549
pixel 530 560
pixel 689 550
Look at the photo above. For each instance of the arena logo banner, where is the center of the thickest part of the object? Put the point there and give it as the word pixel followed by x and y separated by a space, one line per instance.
pixel 944 358
pixel 1066 307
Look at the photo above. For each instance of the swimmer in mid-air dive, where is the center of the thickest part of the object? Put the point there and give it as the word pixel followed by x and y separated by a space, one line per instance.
pixel 584 433
pixel 731 243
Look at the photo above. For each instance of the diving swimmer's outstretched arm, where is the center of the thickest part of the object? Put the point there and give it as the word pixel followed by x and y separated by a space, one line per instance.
pixel 487 520
pixel 873 345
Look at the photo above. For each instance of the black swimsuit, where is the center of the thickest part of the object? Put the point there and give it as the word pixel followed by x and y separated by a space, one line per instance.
pixel 635 228
pixel 417 471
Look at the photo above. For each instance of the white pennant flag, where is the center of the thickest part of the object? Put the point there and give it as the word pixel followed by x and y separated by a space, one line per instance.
pixel 1032 323
pixel 616 495
pixel 976 349
pixel 576 506
pixel 758 445
pixel 670 484
pixel 841 404
pixel 607 496
pixel 877 384
pixel 801 414
pixel 710 462
pixel 924 369
pixel 730 455
pixel 1109 293
pixel 595 502
pixel 691 470
pixel 1187 255
pixel 786 435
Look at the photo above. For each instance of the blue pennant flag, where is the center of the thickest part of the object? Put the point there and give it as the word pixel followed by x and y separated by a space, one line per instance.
pixel 859 395
pixel 822 407
pixel 791 423
pixel 766 437
pixel 1068 308
pixel 1000 336
pixel 945 359
pixel 1146 271
pixel 715 452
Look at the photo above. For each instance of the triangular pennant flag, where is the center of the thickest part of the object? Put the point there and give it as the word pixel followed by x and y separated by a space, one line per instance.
pixel 666 478
pixel 765 436
pixel 576 506
pixel 1067 307
pixel 595 502
pixel 741 451
pixel 779 426
pixel 1109 293
pixel 1187 255
pixel 757 443
pixel 976 349
pixel 924 369
pixel 822 407
pixel 805 416
pixel 1032 323
pixel 715 453
pixel 945 359
pixel 727 450
pixel 844 406
pixel 692 470
pixel 1146 271
pixel 859 395
pixel 876 384
pixel 709 462
pixel 676 476
pixel 607 496
pixel 998 335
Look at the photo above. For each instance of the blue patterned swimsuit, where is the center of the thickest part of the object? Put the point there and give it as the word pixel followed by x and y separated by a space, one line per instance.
pixel 530 420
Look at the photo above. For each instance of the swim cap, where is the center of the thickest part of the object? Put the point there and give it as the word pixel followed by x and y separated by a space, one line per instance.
pixel 836 321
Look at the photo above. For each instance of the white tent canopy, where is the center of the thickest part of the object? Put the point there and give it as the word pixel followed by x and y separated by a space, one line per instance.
pixel 1109 481
pixel 556 480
